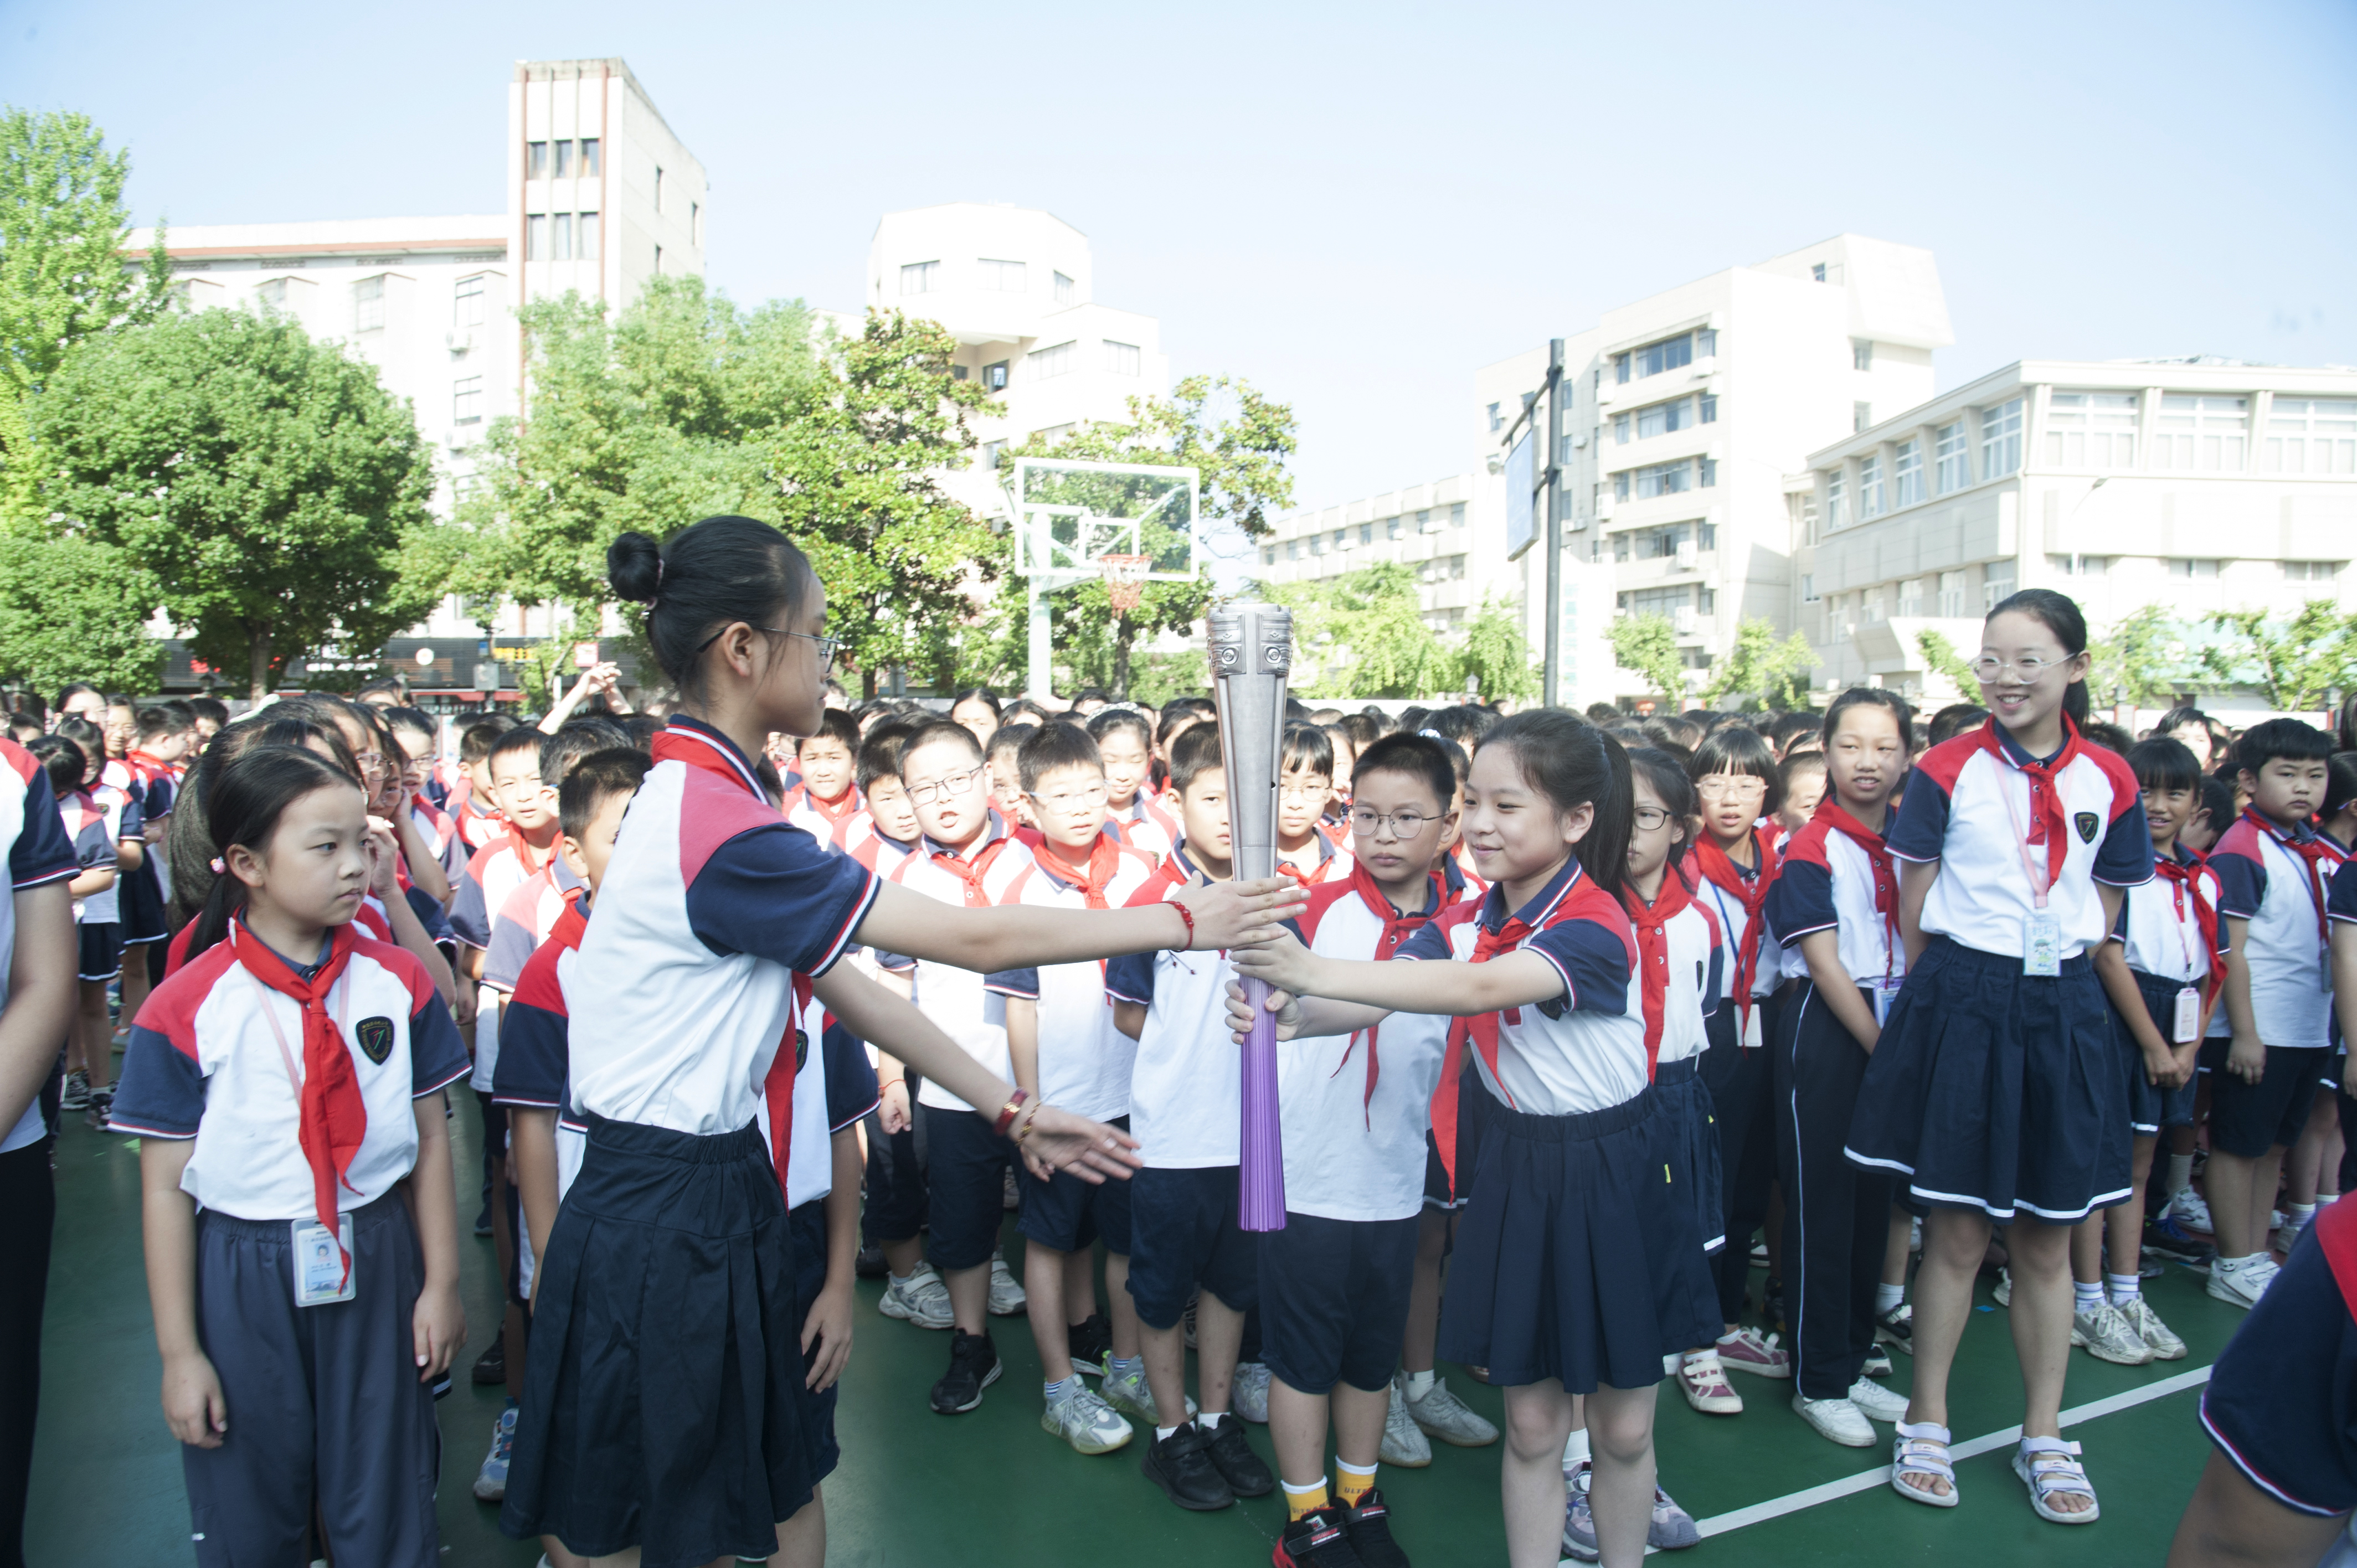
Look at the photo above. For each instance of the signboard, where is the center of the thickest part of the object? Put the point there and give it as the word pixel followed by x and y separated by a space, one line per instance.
pixel 1521 512
pixel 487 677
pixel 584 656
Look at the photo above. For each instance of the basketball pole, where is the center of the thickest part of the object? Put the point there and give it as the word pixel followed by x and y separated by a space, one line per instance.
pixel 1038 678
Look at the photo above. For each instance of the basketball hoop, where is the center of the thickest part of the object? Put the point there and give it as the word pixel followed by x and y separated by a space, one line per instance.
pixel 1125 580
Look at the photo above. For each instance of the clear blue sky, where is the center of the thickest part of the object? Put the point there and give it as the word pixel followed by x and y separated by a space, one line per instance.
pixel 1354 206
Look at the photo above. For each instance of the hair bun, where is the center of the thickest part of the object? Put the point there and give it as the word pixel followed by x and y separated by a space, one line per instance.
pixel 634 566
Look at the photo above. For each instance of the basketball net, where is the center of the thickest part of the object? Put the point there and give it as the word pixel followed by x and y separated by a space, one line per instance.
pixel 1125 580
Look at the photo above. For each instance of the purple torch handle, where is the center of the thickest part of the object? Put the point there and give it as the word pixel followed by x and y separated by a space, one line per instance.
pixel 1260 1179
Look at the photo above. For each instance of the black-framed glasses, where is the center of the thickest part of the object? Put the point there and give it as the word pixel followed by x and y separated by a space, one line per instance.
pixel 1650 819
pixel 827 646
pixel 955 784
pixel 1405 824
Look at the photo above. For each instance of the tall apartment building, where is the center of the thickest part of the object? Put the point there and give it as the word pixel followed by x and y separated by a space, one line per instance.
pixel 1684 413
pixel 1450 532
pixel 2196 485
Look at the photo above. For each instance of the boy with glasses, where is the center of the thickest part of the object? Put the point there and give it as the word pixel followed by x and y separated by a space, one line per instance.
pixel 1305 789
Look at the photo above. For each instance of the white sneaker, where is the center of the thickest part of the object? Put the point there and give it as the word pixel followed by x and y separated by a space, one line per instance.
pixel 1703 1380
pixel 2237 1283
pixel 2164 1345
pixel 1405 1443
pixel 2192 1208
pixel 1006 1297
pixel 1129 1393
pixel 1838 1420
pixel 1248 1395
pixel 2287 1236
pixel 491 1480
pixel 1443 1415
pixel 921 1299
pixel 1878 1403
pixel 2109 1338
pixel 2002 1292
pixel 1085 1420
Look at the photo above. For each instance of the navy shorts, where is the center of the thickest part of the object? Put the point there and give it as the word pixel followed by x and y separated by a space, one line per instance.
pixel 2151 1109
pixel 1333 1300
pixel 100 954
pixel 965 1164
pixel 1066 1214
pixel 895 1208
pixel 2291 1435
pixel 1183 1233
pixel 2248 1119
pixel 806 1228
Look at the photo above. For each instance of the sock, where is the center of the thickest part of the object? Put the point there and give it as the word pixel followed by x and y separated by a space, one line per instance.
pixel 902 1278
pixel 1887 1296
pixel 2298 1214
pixel 2180 1174
pixel 1352 1484
pixel 1210 1420
pixel 1418 1384
pixel 1162 1434
pixel 2090 1296
pixel 2123 1288
pixel 1300 1502
pixel 1122 1366
pixel 1055 1391
pixel 1575 1450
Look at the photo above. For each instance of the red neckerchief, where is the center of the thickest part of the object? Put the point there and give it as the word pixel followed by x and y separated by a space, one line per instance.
pixel 530 859
pixel 970 873
pixel 1397 929
pixel 1878 856
pixel 1104 864
pixel 1751 892
pixel 2184 877
pixel 2314 852
pixel 468 811
pixel 1652 922
pixel 331 1115
pixel 1309 878
pixel 778 1087
pixel 2049 821
pixel 842 807
pixel 146 766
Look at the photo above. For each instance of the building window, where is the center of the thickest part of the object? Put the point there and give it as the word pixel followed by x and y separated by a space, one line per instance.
pixel 2311 436
pixel 959 372
pixel 1952 594
pixel 1996 583
pixel 1654 359
pixel 1121 359
pixel 589 164
pixel 1055 360
pixel 368 304
pixel 2001 440
pixel 1836 500
pixel 1706 343
pixel 1317 544
pixel 1268 555
pixel 1392 528
pixel 466 400
pixel 535 160
pixel 1706 472
pixel 2193 570
pixel 1621 429
pixel 1664 479
pixel 273 294
pixel 1706 409
pixel 1457 514
pixel 994 376
pixel 1662 418
pixel 1064 289
pixel 466 302
pixel 999 277
pixel 1366 533
pixel 1424 521
pixel 657 259
pixel 1910 596
pixel 1293 550
pixel 560 237
pixel 587 249
pixel 1907 472
pixel 1054 433
pixel 1870 487
pixel 1955 467
pixel 1861 354
pixel 1497 420
pixel 1818 271
pixel 658 188
pixel 2311 571
pixel 2080 566
pixel 1861 416
pixel 535 237
pixel 695 223
pixel 564 160
pixel 2091 430
pixel 921 277
pixel 1809 587
pixel 1665 602
pixel 1342 539
pixel 2204 433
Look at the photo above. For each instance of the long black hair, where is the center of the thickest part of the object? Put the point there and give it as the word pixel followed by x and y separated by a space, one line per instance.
pixel 242 807
pixel 187 837
pixel 712 574
pixel 1666 777
pixel 2061 615
pixel 1871 697
pixel 1574 764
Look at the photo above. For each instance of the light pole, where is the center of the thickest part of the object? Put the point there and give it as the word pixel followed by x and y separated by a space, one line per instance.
pixel 1547 482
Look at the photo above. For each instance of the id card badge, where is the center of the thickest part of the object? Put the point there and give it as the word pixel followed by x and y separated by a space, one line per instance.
pixel 1751 1038
pixel 1886 993
pixel 319 1273
pixel 2186 1027
pixel 2042 945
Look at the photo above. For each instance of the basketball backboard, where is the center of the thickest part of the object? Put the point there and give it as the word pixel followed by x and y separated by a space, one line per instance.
pixel 1068 514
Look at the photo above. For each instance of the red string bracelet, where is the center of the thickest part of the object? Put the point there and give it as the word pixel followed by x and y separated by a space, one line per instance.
pixel 1189 916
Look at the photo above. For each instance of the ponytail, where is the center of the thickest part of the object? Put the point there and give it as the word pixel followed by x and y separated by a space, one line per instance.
pixel 242 806
pixel 1574 764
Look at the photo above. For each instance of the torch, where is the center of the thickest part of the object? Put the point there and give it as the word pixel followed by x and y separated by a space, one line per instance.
pixel 1252 651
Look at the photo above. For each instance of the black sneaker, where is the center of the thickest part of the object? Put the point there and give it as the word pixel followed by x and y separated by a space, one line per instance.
pixel 870 1264
pixel 483 1220
pixel 1232 1451
pixel 1091 1342
pixel 974 1367
pixel 492 1365
pixel 102 1106
pixel 1318 1539
pixel 1370 1529
pixel 1181 1465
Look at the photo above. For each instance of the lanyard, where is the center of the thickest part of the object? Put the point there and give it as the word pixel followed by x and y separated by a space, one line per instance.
pixel 2038 885
pixel 2177 896
pixel 2312 877
pixel 343 992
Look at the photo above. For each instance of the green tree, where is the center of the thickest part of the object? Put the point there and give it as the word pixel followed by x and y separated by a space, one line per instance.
pixel 2147 655
pixel 1240 474
pixel 1764 671
pixel 1365 634
pixel 1939 655
pixel 73 609
pixel 267 481
pixel 2295 663
pixel 1497 654
pixel 1648 644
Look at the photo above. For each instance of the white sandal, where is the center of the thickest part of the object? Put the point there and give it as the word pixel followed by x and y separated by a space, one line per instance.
pixel 2052 1466
pixel 1921 1449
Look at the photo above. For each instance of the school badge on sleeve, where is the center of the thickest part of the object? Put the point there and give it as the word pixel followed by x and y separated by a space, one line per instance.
pixel 802 1049
pixel 375 1038
pixel 2086 822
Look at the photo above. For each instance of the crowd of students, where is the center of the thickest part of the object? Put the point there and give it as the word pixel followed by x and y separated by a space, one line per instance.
pixel 1582 1021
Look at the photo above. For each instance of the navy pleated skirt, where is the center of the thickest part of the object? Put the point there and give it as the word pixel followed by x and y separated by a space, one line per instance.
pixel 1698 1167
pixel 1580 1255
pixel 141 902
pixel 1995 1091
pixel 663 1406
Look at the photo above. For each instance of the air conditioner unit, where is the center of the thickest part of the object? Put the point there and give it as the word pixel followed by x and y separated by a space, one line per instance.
pixel 1579 441
pixel 1603 504
pixel 1345 543
pixel 1687 555
pixel 459 339
pixel 1684 620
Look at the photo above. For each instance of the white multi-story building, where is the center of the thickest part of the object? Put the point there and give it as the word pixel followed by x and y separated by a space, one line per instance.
pixel 1681 416
pixel 1449 531
pixel 2196 485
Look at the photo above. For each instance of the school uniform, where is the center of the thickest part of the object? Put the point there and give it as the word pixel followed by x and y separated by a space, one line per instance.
pixel 480 827
pixel 1333 863
pixel 324 1398
pixel 1836 875
pixel 2340 904
pixel 1581 1257
pixel 1355 1108
pixel 536 1063
pixel 1144 825
pixel 1678 954
pixel 896 1202
pixel 2279 881
pixel 525 921
pixel 493 873
pixel 829 821
pixel 668 1287
pixel 2175 945
pixel 439 829
pixel 1084 1061
pixel 1186 1094
pixel 139 894
pixel 1737 1066
pixel 159 789
pixel 97 931
pixel 1993 1089
pixel 966 1160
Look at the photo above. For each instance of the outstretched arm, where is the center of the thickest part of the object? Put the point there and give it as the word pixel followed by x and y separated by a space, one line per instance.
pixel 1019 936
pixel 1521 978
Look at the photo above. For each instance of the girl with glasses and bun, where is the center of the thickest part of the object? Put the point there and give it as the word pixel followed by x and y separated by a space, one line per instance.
pixel 660 1400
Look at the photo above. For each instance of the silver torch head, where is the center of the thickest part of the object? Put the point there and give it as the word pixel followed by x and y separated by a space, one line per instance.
pixel 1250 657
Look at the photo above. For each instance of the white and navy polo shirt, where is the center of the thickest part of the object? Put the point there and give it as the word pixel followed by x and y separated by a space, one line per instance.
pixel 829 821
pixel 493 873
pixel 1968 806
pixel 1692 977
pixel 1143 824
pixel 1084 1062
pixel 38 853
pixel 1333 863
pixel 1584 1050
pixel 93 849
pixel 1826 882
pixel 967 1011
pixel 711 904
pixel 2265 881
pixel 534 1068
pixel 2158 932
pixel 1355 1107
pixel 525 921
pixel 480 827
pixel 203 1064
pixel 1737 932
